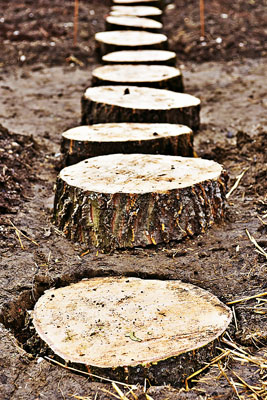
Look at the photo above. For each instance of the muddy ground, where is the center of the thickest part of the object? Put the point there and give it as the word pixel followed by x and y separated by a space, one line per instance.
pixel 41 86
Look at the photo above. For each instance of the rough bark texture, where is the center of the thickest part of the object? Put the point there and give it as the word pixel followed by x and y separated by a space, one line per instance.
pixel 75 150
pixel 107 42
pixel 154 76
pixel 148 57
pixel 181 328
pixel 94 112
pixel 132 23
pixel 122 220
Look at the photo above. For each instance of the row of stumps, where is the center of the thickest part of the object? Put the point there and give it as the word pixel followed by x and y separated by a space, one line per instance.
pixel 131 180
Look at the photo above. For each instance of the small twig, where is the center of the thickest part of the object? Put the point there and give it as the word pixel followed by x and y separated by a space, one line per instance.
pixel 238 179
pixel 247 298
pixel 253 241
pixel 89 374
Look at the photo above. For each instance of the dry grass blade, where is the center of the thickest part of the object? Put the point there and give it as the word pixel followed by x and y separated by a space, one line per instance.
pixel 19 233
pixel 89 374
pixel 120 393
pixel 247 298
pixel 259 248
pixel 244 382
pixel 213 361
pixel 238 179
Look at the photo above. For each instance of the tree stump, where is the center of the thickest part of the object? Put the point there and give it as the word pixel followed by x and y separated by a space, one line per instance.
pixel 148 57
pixel 151 3
pixel 132 23
pixel 95 140
pixel 129 40
pixel 139 104
pixel 130 329
pixel 128 200
pixel 137 11
pixel 154 76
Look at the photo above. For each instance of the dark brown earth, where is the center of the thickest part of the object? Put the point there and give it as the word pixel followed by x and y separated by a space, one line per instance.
pixel 41 83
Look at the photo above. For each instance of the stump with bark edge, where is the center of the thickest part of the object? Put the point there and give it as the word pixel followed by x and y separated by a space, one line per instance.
pixel 152 3
pixel 139 104
pixel 131 329
pixel 148 57
pixel 101 139
pixel 128 200
pixel 132 23
pixel 137 11
pixel 155 76
pixel 110 41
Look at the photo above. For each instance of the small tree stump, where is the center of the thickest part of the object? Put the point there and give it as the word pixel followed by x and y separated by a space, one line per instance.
pixel 128 200
pixel 131 329
pixel 132 23
pixel 129 40
pixel 95 140
pixel 148 57
pixel 151 3
pixel 139 104
pixel 137 11
pixel 154 76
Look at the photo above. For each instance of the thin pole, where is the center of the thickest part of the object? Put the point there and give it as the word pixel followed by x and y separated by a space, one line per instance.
pixel 202 17
pixel 75 24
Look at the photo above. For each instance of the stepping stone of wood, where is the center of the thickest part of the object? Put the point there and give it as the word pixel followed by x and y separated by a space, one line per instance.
pixel 128 200
pixel 129 40
pixel 137 11
pixel 139 104
pixel 132 23
pixel 149 57
pixel 95 140
pixel 155 76
pixel 153 3
pixel 131 329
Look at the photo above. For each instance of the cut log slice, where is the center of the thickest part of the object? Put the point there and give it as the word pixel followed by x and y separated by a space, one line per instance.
pixel 149 57
pixel 139 104
pixel 129 40
pixel 132 23
pixel 95 140
pixel 151 3
pixel 128 200
pixel 137 11
pixel 155 76
pixel 131 329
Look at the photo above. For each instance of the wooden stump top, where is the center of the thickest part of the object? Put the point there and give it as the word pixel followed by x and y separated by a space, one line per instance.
pixel 140 97
pixel 139 173
pixel 127 131
pixel 134 22
pixel 137 11
pixel 135 73
pixel 140 56
pixel 111 321
pixel 137 2
pixel 130 38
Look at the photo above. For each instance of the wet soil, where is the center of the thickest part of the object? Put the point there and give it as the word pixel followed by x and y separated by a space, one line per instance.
pixel 41 98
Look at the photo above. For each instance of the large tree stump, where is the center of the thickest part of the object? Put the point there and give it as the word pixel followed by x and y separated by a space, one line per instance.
pixel 95 140
pixel 128 200
pixel 154 76
pixel 151 3
pixel 132 23
pixel 148 57
pixel 129 40
pixel 137 11
pixel 131 329
pixel 138 104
